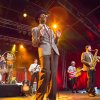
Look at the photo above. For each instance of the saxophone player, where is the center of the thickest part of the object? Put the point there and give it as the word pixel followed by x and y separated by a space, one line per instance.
pixel 87 58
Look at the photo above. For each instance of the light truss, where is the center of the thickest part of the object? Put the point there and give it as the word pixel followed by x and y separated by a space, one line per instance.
pixel 15 40
pixel 15 25
pixel 80 16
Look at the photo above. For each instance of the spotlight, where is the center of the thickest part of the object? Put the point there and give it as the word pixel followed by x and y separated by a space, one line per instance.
pixel 21 46
pixel 55 26
pixel 22 49
pixel 25 15
pixel 13 48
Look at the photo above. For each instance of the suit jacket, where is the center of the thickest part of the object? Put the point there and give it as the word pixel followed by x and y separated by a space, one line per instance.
pixel 85 59
pixel 43 42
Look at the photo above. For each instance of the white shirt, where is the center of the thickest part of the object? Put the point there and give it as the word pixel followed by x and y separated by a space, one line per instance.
pixel 72 71
pixel 34 68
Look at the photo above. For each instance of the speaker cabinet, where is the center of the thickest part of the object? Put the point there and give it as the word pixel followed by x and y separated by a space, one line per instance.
pixel 10 90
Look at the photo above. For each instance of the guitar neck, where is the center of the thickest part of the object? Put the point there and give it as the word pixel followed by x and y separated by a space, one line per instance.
pixel 79 71
pixel 25 75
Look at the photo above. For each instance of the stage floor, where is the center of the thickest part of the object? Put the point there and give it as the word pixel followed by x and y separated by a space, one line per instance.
pixel 62 95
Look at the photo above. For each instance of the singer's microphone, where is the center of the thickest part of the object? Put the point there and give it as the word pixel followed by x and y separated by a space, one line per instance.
pixel 47 15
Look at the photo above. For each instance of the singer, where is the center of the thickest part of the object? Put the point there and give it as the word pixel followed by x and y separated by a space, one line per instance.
pixel 88 60
pixel 43 38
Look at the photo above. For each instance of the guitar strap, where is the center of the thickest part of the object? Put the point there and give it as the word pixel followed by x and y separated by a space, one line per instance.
pixel 46 31
pixel 36 67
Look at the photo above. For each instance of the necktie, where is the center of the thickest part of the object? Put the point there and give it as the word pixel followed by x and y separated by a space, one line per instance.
pixel 46 29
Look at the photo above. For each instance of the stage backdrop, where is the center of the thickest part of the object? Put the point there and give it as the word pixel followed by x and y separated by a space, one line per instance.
pixel 62 76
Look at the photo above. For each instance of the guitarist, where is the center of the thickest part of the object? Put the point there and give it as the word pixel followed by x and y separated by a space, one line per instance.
pixel 34 69
pixel 87 60
pixel 72 76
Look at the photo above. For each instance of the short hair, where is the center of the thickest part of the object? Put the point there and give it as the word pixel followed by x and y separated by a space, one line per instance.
pixel 72 62
pixel 38 15
pixel 87 46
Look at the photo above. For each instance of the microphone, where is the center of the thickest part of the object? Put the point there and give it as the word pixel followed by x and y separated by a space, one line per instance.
pixel 47 15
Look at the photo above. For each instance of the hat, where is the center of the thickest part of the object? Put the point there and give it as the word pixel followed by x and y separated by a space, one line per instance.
pixel 38 15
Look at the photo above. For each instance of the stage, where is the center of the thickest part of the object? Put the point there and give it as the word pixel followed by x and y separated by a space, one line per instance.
pixel 61 95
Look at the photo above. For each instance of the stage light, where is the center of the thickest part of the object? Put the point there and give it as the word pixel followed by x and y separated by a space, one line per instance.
pixel 21 46
pixel 24 14
pixel 14 45
pixel 13 49
pixel 55 26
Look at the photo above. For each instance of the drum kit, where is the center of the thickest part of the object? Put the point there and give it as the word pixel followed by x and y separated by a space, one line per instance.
pixel 6 68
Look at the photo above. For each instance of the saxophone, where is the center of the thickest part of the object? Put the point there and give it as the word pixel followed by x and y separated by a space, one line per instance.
pixel 94 60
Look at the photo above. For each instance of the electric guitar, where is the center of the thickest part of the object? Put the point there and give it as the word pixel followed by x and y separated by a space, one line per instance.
pixel 77 73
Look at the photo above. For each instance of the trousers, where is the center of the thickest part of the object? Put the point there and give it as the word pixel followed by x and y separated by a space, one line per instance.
pixel 91 81
pixel 47 77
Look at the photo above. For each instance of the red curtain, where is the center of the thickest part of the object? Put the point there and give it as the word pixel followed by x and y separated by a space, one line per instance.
pixel 82 80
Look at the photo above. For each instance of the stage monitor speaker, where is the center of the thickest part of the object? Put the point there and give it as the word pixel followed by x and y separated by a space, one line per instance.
pixel 10 90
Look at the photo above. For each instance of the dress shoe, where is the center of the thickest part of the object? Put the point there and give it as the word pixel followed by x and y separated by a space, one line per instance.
pixel 73 92
pixel 91 95
pixel 94 93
